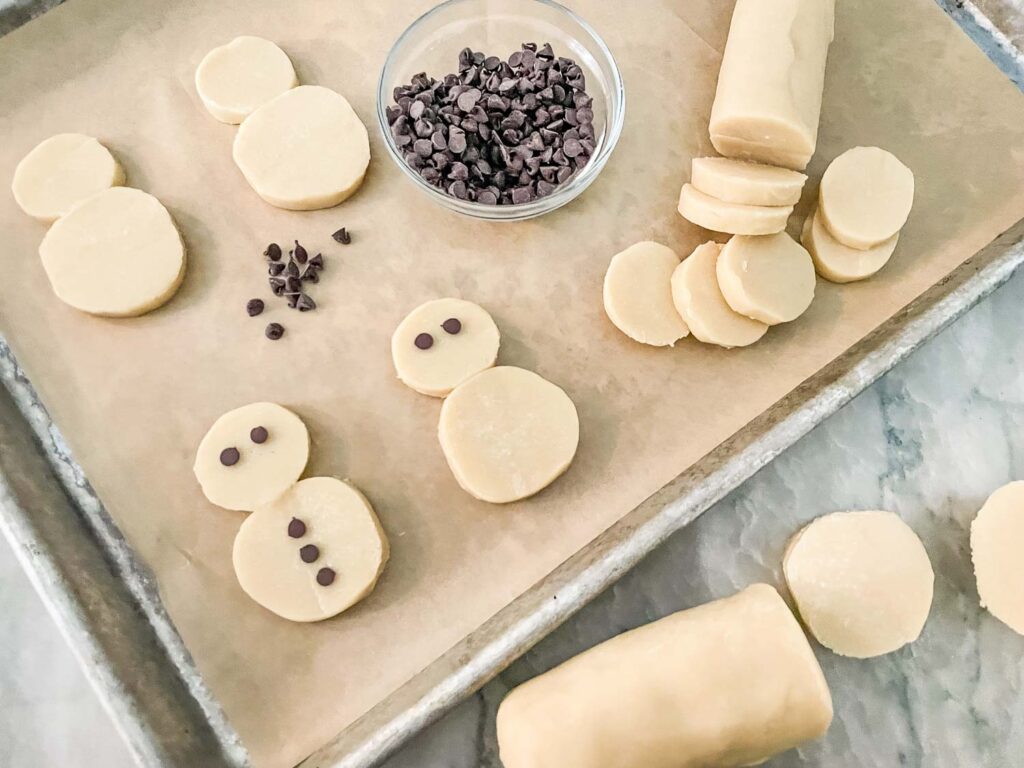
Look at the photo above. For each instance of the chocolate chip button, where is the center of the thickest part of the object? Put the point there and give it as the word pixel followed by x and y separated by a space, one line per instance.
pixel 325 577
pixel 296 528
pixel 259 435
pixel 309 553
pixel 452 325
pixel 424 341
pixel 229 457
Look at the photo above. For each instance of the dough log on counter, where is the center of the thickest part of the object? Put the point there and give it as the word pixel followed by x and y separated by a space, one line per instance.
pixel 729 683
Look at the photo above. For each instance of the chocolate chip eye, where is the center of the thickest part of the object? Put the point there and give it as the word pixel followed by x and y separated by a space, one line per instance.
pixel 325 577
pixel 309 553
pixel 259 435
pixel 229 457
pixel 296 528
pixel 452 325
pixel 424 341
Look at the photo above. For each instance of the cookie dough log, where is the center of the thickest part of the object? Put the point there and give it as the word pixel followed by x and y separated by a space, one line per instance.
pixel 699 301
pixel 303 150
pixel 313 553
pixel 769 278
pixel 737 181
pixel 236 78
pixel 862 582
pixel 61 171
pixel 768 99
pixel 115 254
pixel 729 683
pixel 838 263
pixel 732 218
pixel 638 295
pixel 997 544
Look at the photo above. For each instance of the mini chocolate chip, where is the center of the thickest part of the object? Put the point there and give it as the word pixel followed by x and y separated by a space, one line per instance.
pixel 452 325
pixel 275 331
pixel 273 252
pixel 325 577
pixel 305 303
pixel 309 553
pixel 296 528
pixel 317 262
pixel 342 236
pixel 424 341
pixel 229 457
pixel 254 307
pixel 275 268
pixel 259 435
pixel 301 255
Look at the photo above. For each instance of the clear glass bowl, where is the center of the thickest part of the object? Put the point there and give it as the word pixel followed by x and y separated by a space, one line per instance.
pixel 498 27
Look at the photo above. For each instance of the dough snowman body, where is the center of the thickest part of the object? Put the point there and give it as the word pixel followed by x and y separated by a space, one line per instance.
pixel 313 552
pixel 236 78
pixel 838 263
pixel 638 294
pixel 768 278
pixel 737 181
pixel 733 218
pixel 997 544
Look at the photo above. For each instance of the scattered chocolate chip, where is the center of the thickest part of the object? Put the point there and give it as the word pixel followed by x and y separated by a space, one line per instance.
pixel 259 435
pixel 317 262
pixel 275 268
pixel 275 331
pixel 301 255
pixel 325 577
pixel 229 457
pixel 452 325
pixel 342 236
pixel 277 285
pixel 424 341
pixel 305 303
pixel 273 252
pixel 292 270
pixel 309 553
pixel 293 285
pixel 254 307
pixel 296 528
pixel 310 275
pixel 293 299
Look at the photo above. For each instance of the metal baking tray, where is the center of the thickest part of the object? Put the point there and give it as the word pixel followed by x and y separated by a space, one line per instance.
pixel 106 604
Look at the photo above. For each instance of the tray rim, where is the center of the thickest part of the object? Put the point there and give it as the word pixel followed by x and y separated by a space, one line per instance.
pixel 512 631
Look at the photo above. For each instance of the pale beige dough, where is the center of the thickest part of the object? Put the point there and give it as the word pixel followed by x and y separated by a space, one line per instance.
pixel 507 433
pixel 342 526
pixel 236 78
pixel 737 181
pixel 61 171
pixel 733 218
pixel 699 301
pixel 865 197
pixel 862 582
pixel 729 683
pixel 453 358
pixel 303 150
pixel 997 549
pixel 638 294
pixel 117 254
pixel 263 471
pixel 768 278
pixel 838 263
pixel 768 100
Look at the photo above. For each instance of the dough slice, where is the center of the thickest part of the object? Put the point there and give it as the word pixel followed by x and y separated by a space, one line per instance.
pixel 768 278
pixel 734 218
pixel 117 254
pixel 861 580
pixel 737 181
pixel 838 263
pixel 303 150
pixel 865 197
pixel 61 171
pixel 261 467
pixel 508 433
pixel 314 552
pixel 699 300
pixel 236 78
pixel 997 549
pixel 442 343
pixel 638 294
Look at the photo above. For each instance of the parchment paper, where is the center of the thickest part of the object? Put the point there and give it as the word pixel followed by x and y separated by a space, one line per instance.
pixel 134 397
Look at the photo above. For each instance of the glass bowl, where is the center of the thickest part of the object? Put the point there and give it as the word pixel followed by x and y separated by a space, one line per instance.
pixel 498 27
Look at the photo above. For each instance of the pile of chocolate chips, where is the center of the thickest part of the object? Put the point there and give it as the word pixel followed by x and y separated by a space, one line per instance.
pixel 497 132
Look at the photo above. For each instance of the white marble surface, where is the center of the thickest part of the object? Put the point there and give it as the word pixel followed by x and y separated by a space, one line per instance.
pixel 928 441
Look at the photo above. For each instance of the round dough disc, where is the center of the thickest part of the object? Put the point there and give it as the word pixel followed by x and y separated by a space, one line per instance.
pixel 699 300
pixel 734 218
pixel 117 254
pixel 769 278
pixel 638 294
pixel 737 181
pixel 62 171
pixel 862 582
pixel 338 526
pixel 507 433
pixel 452 357
pixel 264 470
pixel 303 150
pixel 236 78
pixel 865 197
pixel 997 544
pixel 838 263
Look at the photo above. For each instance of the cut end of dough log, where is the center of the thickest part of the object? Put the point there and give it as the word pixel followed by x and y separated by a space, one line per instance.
pixel 733 218
pixel 737 181
pixel 638 294
pixel 838 263
pixel 234 79
pixel 997 544
pixel 768 278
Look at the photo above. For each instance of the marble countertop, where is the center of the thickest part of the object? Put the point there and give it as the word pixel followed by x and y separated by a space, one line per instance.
pixel 929 441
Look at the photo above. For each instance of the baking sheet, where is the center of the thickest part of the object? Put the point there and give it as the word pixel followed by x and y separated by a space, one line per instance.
pixel 133 397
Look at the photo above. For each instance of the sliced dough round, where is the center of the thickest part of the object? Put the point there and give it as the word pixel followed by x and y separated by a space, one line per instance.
pixel 453 352
pixel 303 150
pixel 734 218
pixel 997 549
pixel 261 471
pixel 61 171
pixel 236 78
pixel 638 294
pixel 699 300
pixel 862 582
pixel 737 181
pixel 865 197
pixel 314 552
pixel 507 433
pixel 838 263
pixel 117 254
pixel 768 278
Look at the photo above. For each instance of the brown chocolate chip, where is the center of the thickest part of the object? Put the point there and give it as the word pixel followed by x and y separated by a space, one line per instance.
pixel 296 528
pixel 275 331
pixel 309 553
pixel 229 457
pixel 325 577
pixel 342 236
pixel 293 284
pixel 259 435
pixel 275 268
pixel 424 341
pixel 277 285
pixel 293 299
pixel 310 274
pixel 452 325
pixel 305 303
pixel 301 255
pixel 292 270
pixel 254 307
pixel 273 252
pixel 317 262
